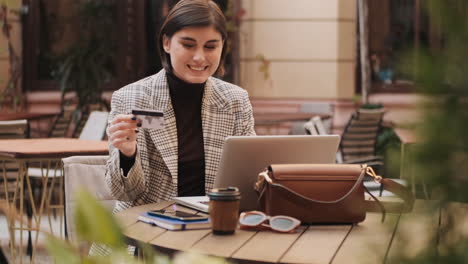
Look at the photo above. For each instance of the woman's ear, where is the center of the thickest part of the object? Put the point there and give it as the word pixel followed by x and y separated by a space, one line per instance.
pixel 166 43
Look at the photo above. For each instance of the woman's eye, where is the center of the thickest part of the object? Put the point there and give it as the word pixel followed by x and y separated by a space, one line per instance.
pixel 210 47
pixel 188 45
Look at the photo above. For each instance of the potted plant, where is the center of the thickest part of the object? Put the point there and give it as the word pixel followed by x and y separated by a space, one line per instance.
pixel 88 63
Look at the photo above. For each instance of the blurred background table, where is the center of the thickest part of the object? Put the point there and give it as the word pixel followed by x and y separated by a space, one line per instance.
pixel 47 152
pixel 409 144
pixel 26 115
pixel 38 122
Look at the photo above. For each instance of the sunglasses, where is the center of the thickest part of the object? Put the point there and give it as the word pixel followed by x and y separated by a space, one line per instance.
pixel 257 219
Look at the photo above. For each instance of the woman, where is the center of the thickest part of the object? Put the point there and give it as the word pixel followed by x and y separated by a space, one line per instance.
pixel 147 165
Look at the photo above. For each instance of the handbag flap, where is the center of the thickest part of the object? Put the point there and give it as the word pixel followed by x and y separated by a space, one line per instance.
pixel 315 171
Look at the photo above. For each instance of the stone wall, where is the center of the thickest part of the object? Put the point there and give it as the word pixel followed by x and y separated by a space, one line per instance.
pixel 308 46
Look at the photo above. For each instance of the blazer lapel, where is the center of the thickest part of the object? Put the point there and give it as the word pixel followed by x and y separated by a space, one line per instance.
pixel 214 114
pixel 165 139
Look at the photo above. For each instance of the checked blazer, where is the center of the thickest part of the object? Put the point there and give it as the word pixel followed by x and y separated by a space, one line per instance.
pixel 226 111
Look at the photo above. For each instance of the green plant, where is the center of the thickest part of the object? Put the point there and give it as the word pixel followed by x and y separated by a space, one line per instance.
pixel 371 106
pixel 441 157
pixel 89 63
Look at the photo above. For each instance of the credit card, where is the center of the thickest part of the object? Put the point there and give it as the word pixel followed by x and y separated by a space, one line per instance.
pixel 150 118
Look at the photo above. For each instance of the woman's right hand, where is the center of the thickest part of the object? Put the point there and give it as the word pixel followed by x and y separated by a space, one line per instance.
pixel 122 132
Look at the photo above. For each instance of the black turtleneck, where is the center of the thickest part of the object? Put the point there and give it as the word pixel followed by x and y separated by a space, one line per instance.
pixel 186 100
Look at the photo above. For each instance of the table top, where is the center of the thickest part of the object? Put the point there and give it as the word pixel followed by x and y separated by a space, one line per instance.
pixel 51 148
pixel 26 115
pixel 268 117
pixel 371 240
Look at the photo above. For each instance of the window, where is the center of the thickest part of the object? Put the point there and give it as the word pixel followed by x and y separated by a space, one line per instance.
pixel 52 26
pixel 394 27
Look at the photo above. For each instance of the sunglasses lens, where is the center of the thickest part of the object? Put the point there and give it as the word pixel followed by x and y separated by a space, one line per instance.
pixel 282 224
pixel 252 219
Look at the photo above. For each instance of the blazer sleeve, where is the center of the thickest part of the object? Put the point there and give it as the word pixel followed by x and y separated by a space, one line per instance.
pixel 132 186
pixel 247 116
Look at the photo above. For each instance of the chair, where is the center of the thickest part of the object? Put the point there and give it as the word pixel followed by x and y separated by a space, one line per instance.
pixel 85 114
pixel 14 129
pixel 358 143
pixel 84 172
pixel 319 108
pixel 94 129
pixel 358 140
pixel 61 124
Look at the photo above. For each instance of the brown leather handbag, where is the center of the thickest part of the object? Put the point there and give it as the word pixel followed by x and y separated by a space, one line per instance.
pixel 325 193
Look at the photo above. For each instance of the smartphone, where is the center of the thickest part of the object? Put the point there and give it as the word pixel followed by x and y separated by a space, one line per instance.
pixel 177 215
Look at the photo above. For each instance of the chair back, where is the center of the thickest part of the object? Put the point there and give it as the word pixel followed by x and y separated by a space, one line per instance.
pixel 14 129
pixel 321 108
pixel 61 125
pixel 84 172
pixel 95 127
pixel 310 128
pixel 359 137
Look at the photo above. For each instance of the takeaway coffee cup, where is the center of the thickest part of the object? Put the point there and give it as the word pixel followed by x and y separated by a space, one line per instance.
pixel 224 210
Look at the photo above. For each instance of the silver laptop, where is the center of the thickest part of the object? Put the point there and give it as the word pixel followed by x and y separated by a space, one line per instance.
pixel 244 157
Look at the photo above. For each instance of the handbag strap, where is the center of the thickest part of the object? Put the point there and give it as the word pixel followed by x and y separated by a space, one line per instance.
pixel 356 184
pixel 371 206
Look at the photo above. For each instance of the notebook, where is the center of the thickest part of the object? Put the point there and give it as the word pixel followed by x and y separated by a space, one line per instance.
pixel 243 157
pixel 199 203
pixel 172 224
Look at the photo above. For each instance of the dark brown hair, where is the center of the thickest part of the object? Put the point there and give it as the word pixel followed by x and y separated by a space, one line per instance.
pixel 192 13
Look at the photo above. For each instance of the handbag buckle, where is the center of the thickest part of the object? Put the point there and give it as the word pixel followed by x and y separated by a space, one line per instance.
pixel 371 172
pixel 263 178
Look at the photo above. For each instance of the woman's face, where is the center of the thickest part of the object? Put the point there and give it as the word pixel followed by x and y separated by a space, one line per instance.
pixel 195 52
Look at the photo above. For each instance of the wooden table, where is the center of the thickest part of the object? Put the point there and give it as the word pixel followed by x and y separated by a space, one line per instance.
pixel 26 115
pixel 368 242
pixel 409 140
pixel 48 152
pixel 262 118
pixel 407 136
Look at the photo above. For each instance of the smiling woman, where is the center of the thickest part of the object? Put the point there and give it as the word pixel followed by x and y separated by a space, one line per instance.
pixel 195 53
pixel 200 111
pixel 200 29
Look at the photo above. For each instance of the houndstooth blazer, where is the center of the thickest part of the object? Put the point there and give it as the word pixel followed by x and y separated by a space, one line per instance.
pixel 226 111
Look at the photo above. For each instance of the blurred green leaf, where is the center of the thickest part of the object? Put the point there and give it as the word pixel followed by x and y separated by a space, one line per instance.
pixel 95 224
pixel 441 157
pixel 61 251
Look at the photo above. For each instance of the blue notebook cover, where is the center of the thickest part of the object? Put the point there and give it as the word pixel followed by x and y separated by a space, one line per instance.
pixel 173 224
